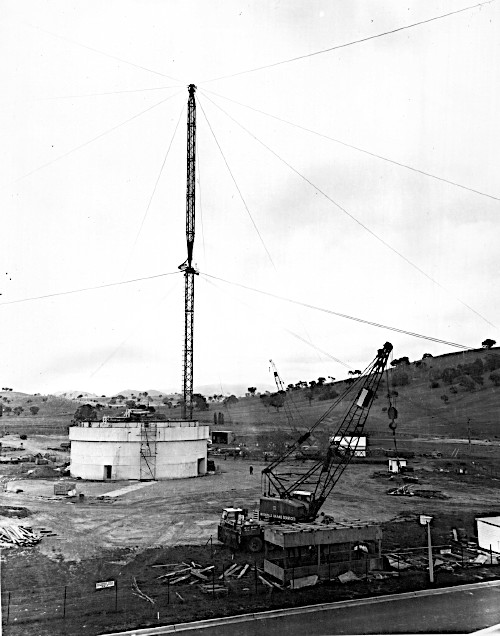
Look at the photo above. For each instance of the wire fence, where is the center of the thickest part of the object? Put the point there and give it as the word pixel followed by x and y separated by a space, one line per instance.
pixel 118 596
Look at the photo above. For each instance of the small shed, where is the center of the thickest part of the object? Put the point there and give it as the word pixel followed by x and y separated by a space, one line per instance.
pixel 222 437
pixel 65 488
pixel 396 464
pixel 488 533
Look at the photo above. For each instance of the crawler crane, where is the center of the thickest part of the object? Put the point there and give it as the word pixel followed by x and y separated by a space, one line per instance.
pixel 293 496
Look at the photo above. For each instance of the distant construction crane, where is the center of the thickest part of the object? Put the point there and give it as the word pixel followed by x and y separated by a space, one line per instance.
pixel 187 266
pixel 281 389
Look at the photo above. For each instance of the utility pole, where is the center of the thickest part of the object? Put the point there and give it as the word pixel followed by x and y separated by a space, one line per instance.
pixel 187 266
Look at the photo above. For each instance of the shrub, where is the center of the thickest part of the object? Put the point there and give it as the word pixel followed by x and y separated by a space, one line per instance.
pixel 434 385
pixel 495 378
pixel 23 436
pixel 328 393
pixel 400 379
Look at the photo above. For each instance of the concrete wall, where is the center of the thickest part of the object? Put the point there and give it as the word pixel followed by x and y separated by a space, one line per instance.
pixel 181 450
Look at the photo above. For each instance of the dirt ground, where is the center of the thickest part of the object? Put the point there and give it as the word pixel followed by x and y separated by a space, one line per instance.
pixel 125 525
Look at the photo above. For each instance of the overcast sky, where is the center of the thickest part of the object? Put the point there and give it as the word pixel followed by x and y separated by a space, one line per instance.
pixel 94 181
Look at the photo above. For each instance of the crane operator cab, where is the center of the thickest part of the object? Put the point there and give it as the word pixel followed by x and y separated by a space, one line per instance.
pixel 302 495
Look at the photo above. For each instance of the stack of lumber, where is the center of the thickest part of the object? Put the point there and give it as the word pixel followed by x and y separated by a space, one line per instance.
pixel 12 536
pixel 236 571
pixel 184 573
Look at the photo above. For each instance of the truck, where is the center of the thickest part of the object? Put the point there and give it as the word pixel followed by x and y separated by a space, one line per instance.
pixel 299 499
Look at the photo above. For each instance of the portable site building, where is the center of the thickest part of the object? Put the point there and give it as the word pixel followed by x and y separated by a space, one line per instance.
pixel 296 552
pixel 396 464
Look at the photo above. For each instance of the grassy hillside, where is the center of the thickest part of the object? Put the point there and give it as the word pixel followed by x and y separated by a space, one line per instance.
pixel 438 396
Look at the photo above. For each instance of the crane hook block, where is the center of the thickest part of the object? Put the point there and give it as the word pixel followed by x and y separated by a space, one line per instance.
pixel 392 413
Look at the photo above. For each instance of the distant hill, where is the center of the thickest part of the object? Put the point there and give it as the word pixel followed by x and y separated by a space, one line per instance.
pixel 74 395
pixel 229 389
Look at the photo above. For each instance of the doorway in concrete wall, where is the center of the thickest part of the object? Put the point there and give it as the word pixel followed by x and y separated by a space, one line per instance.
pixel 202 468
pixel 107 472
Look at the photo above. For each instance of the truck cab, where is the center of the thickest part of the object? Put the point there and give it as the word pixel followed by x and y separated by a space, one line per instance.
pixel 238 530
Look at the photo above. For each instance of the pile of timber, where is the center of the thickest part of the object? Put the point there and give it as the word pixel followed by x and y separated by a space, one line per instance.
pixel 184 573
pixel 12 536
pixel 192 573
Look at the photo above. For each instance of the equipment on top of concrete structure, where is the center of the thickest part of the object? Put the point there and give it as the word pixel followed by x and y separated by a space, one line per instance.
pixel 300 499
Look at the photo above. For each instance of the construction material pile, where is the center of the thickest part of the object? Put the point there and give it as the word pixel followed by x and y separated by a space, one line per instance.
pixel 12 536
pixel 192 573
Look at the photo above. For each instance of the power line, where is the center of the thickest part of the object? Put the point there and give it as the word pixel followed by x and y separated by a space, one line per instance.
pixel 363 150
pixel 86 143
pixel 292 333
pixel 351 216
pixel 85 289
pixel 346 44
pixel 154 189
pixel 113 57
pixel 341 315
pixel 117 348
pixel 132 90
pixel 237 188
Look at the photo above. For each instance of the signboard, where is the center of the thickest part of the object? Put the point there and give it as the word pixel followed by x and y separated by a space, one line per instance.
pixel 102 585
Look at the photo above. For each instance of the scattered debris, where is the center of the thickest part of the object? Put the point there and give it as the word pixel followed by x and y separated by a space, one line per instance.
pixel 430 494
pixel 14 511
pixel 137 592
pixel 404 490
pixel 347 577
pixel 304 581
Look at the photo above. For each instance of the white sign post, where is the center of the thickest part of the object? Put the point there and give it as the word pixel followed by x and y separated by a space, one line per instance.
pixel 425 520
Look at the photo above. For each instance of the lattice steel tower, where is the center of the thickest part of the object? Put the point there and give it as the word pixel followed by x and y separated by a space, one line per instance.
pixel 187 266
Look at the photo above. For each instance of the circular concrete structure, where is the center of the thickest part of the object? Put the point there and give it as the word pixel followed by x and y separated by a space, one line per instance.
pixel 127 448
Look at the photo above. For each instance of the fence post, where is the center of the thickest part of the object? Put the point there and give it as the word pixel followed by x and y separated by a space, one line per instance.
pixel 255 573
pixel 116 595
pixel 491 556
pixel 8 607
pixel 64 605
pixel 168 591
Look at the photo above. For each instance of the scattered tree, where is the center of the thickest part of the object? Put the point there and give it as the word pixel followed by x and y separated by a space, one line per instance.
pixel 426 355
pixel 494 377
pixel 488 343
pixel 252 390
pixel 18 410
pixel 34 409
pixel 131 404
pixel 277 400
pixel 84 413
pixel 200 402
